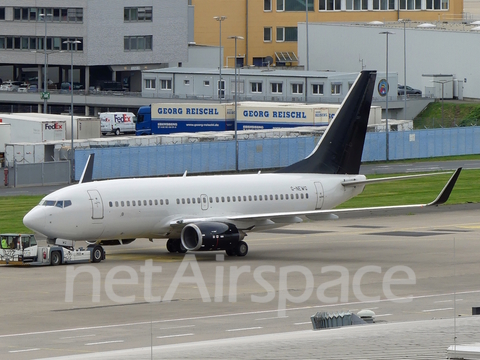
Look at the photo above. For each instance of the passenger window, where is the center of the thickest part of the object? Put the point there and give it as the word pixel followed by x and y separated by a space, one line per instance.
pixel 249 197
pixel 133 203
pixel 301 196
pixel 260 197
pixel 286 196
pixel 234 198
pixel 144 202
pixel 271 197
pixel 116 203
pixel 139 202
pixel 223 199
pixel 193 200
pixel 204 200
pixel 150 202
pixel 217 199
pixel 188 200
pixel 166 202
pixel 228 198
pixel 122 203
pixel 239 198
pixel 67 203
pixel 291 196
pixel 128 202
pixel 156 202
pixel 276 196
pixel 255 197
pixel 244 198
pixel 306 195
pixel 110 204
pixel 198 200
pixel 281 196
pixel 161 201
pixel 178 201
pixel 296 195
pixel 183 201
pixel 211 199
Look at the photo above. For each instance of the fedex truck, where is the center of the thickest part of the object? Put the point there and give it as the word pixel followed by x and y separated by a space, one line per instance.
pixel 117 122
pixel 31 129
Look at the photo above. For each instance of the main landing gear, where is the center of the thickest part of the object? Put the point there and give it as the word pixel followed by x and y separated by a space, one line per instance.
pixel 239 249
pixel 175 246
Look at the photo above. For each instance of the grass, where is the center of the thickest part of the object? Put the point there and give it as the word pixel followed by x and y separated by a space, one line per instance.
pixel 454 114
pixel 412 191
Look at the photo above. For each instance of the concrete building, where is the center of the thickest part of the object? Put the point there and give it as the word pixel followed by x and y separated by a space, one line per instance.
pixel 270 31
pixel 104 39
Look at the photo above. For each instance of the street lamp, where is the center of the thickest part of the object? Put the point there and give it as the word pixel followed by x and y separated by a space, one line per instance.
pixel 386 33
pixel 306 30
pixel 404 66
pixel 442 82
pixel 236 137
pixel 71 42
pixel 45 64
pixel 220 87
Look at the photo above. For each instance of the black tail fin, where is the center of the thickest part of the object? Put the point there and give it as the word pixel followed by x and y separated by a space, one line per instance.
pixel 87 175
pixel 339 151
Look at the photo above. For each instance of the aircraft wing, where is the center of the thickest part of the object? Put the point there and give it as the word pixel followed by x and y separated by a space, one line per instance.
pixel 291 216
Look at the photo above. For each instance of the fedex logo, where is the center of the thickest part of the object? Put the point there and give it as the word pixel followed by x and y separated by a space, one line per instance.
pixel 122 118
pixel 55 126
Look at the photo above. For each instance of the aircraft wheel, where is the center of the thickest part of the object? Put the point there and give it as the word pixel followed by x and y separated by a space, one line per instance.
pixel 55 258
pixel 242 248
pixel 181 248
pixel 117 132
pixel 171 246
pixel 97 254
pixel 231 252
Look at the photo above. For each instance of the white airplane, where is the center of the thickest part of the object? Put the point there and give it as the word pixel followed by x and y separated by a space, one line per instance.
pixel 216 212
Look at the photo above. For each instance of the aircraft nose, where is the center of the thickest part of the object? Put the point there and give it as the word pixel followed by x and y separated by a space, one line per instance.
pixel 35 220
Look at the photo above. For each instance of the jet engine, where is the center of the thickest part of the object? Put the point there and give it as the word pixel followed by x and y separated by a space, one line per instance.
pixel 210 236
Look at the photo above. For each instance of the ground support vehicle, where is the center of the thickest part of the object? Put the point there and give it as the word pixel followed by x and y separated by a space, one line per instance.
pixel 22 249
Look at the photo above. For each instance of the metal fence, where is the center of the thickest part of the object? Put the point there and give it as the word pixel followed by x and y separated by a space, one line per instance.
pixel 46 173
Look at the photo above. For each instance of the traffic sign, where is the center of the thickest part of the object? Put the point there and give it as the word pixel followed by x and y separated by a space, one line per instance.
pixel 45 95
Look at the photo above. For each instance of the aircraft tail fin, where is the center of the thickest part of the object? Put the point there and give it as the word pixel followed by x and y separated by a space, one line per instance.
pixel 339 151
pixel 87 175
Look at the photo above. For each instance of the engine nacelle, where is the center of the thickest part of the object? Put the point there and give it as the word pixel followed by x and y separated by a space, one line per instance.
pixel 210 236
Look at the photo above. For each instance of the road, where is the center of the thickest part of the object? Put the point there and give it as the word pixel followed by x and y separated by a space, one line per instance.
pixel 144 303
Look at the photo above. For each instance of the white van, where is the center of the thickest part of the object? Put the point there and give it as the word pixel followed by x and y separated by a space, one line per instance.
pixel 117 122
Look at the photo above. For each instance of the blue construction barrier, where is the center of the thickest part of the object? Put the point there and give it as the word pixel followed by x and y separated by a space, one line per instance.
pixel 219 156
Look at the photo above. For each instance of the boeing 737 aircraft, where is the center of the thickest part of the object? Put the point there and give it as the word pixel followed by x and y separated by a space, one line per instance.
pixel 216 212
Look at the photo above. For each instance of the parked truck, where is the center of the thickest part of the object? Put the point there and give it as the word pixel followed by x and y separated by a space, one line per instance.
pixel 167 118
pixel 22 249
pixel 31 129
pixel 117 122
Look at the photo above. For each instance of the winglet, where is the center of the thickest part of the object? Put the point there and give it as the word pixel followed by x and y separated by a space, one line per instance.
pixel 447 190
pixel 87 175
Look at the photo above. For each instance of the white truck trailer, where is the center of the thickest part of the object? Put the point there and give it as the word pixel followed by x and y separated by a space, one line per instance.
pixel 31 129
pixel 22 249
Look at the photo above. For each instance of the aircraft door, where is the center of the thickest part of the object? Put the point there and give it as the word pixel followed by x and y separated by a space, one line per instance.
pixel 204 201
pixel 319 189
pixel 97 204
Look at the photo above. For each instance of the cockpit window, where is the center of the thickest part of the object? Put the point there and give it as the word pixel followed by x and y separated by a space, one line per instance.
pixel 59 203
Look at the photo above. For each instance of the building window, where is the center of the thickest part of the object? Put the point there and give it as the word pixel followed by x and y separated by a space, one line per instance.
pixel 358 4
pixel 149 83
pixel 437 5
pixel 206 83
pixel 297 88
pixel 336 89
pixel 186 82
pixel 267 5
pixel 256 87
pixel 277 88
pixel 385 4
pixel 37 43
pixel 330 5
pixel 137 43
pixel 286 34
pixel 221 89
pixel 2 13
pixel 280 5
pixel 267 34
pixel 317 89
pixel 239 86
pixel 74 15
pixel 135 14
pixel 166 84
pixel 293 5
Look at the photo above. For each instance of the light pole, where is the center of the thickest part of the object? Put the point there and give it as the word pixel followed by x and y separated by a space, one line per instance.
pixel 220 87
pixel 442 82
pixel 404 66
pixel 45 15
pixel 235 123
pixel 71 42
pixel 306 31
pixel 386 33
